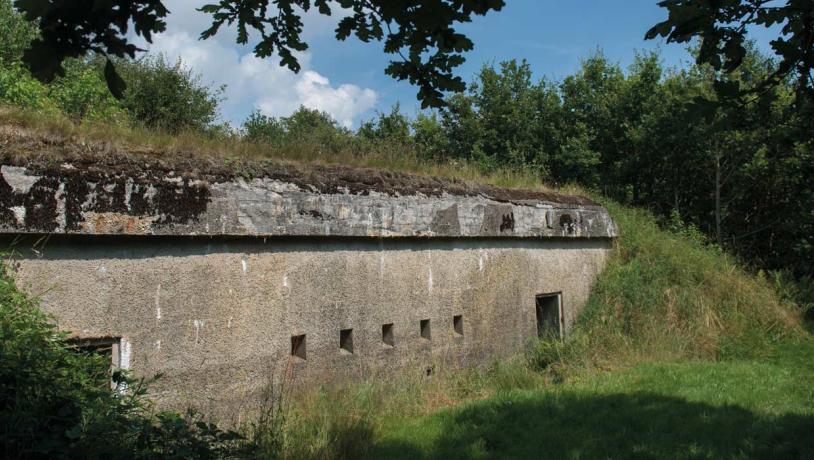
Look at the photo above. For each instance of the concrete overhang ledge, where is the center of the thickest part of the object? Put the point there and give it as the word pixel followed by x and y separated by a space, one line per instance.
pixel 118 196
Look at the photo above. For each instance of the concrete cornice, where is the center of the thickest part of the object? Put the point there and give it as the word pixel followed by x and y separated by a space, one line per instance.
pixel 65 201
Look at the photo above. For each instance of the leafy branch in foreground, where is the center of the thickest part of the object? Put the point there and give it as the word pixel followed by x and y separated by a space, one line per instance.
pixel 722 27
pixel 420 33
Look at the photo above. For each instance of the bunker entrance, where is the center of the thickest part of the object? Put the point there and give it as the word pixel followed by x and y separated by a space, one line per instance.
pixel 549 315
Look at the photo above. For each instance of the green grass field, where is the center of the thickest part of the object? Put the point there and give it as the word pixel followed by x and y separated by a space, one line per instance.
pixel 733 409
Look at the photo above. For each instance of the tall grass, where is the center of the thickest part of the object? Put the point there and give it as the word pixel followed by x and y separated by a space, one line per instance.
pixel 669 295
pixel 228 147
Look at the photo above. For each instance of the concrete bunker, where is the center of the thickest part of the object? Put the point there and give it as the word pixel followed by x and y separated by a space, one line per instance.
pixel 225 283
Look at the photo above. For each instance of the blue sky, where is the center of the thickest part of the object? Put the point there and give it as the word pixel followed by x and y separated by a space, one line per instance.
pixel 347 78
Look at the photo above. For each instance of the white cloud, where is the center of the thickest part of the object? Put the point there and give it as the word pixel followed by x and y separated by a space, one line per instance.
pixel 251 82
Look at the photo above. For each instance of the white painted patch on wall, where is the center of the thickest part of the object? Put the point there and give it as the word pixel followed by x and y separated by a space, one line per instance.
pixel 229 322
pixel 128 192
pixel 199 324
pixel 158 345
pixel 125 352
pixel 244 263
pixel 102 270
pixel 18 178
pixel 19 214
pixel 285 280
pixel 60 211
pixel 158 302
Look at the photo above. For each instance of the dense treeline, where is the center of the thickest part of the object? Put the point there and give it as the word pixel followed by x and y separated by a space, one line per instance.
pixel 653 137
pixel 646 135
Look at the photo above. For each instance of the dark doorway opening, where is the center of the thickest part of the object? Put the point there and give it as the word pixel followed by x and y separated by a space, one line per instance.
pixel 425 329
pixel 298 346
pixel 346 341
pixel 388 338
pixel 549 315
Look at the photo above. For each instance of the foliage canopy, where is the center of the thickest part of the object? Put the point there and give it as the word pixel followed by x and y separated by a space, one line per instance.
pixel 420 33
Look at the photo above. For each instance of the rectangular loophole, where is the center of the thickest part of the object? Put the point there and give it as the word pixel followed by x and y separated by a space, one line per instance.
pixel 346 341
pixel 298 346
pixel 458 325
pixel 388 338
pixel 425 329
pixel 549 315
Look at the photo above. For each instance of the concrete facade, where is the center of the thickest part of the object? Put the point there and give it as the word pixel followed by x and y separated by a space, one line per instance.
pixel 212 283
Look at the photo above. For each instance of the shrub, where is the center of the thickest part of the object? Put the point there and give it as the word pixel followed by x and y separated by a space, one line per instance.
pixel 20 89
pixel 56 402
pixel 167 97
pixel 82 94
pixel 15 32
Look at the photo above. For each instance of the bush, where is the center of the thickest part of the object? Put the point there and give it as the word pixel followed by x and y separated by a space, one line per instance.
pixel 304 129
pixel 167 97
pixel 15 32
pixel 82 94
pixel 56 402
pixel 20 89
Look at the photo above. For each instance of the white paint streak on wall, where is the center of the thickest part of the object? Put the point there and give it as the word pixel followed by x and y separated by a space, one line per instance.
pixel 60 211
pixel 245 264
pixel 125 351
pixel 285 280
pixel 158 345
pixel 158 302
pixel 229 322
pixel 17 177
pixel 19 214
pixel 128 192
pixel 429 280
pixel 199 324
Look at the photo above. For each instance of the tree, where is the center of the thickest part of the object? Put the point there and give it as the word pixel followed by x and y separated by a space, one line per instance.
pixel 722 26
pixel 420 33
pixel 390 127
pixel 15 33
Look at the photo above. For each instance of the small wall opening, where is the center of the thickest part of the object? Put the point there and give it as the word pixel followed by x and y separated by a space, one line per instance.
pixel 425 329
pixel 549 315
pixel 298 346
pixel 388 338
pixel 458 325
pixel 346 341
pixel 107 348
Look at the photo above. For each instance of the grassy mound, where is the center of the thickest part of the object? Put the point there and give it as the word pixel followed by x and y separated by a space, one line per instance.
pixel 667 295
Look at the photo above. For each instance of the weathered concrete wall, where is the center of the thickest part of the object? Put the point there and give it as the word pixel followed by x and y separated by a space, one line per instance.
pixel 217 315
pixel 206 277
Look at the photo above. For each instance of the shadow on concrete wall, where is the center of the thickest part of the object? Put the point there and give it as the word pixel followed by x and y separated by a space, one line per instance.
pixel 639 425
pixel 86 247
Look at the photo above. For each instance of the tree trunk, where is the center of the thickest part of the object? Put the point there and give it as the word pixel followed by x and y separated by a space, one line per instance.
pixel 718 233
